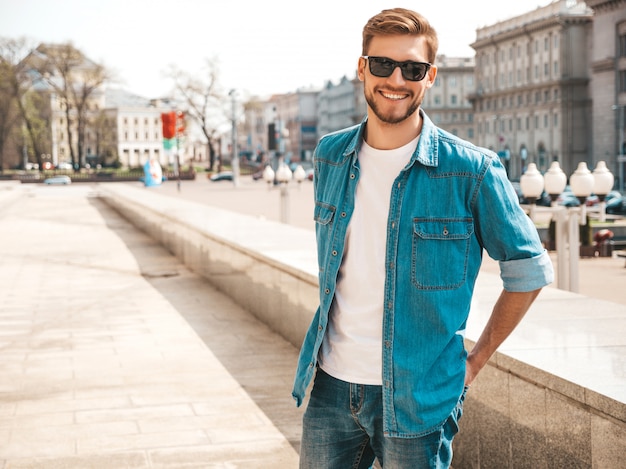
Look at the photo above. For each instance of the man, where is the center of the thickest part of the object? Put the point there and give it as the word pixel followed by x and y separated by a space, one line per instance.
pixel 403 213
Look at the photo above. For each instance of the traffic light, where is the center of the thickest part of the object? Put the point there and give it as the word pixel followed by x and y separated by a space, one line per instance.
pixel 169 124
pixel 271 136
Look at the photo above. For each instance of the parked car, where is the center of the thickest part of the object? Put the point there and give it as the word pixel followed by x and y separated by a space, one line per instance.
pixel 593 199
pixel 616 205
pixel 57 180
pixel 222 176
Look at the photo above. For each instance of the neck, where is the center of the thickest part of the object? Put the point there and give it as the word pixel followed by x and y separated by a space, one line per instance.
pixel 384 136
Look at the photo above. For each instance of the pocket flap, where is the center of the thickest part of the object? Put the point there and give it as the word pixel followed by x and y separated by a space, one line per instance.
pixel 323 213
pixel 443 228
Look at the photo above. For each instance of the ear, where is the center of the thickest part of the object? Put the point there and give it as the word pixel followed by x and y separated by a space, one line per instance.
pixel 361 69
pixel 431 76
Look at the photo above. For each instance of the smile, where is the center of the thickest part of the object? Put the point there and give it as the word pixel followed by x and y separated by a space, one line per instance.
pixel 393 96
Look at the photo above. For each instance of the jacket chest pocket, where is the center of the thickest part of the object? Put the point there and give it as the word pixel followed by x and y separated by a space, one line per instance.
pixel 440 252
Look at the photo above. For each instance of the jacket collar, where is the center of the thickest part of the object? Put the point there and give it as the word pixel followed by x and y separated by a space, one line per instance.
pixel 426 151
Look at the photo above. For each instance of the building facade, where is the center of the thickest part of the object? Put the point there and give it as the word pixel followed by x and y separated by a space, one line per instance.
pixel 338 106
pixel 532 101
pixel 608 83
pixel 447 103
pixel 295 120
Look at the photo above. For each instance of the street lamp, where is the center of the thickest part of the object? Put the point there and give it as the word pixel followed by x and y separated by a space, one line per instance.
pixel 299 175
pixel 568 220
pixel 283 176
pixel 602 184
pixel 268 176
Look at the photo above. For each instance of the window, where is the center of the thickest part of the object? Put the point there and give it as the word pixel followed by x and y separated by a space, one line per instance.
pixel 453 99
pixel 546 70
pixel 545 121
pixel 452 81
pixel 556 68
pixel 556 120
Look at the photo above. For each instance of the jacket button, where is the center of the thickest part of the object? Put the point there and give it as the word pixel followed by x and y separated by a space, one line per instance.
pixel 334 253
pixel 327 291
pixel 343 214
pixel 351 175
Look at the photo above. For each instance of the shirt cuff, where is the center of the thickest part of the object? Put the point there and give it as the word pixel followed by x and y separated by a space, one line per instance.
pixel 524 275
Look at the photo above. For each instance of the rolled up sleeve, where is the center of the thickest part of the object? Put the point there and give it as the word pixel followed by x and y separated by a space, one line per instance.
pixel 522 275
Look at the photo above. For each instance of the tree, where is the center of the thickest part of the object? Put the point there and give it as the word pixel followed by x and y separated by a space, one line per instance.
pixel 13 86
pixel 204 102
pixel 105 140
pixel 75 81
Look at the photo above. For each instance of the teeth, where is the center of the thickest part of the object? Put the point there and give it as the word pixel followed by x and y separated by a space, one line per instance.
pixel 393 96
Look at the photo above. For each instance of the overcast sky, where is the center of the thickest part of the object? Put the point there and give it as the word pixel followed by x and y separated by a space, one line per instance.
pixel 263 46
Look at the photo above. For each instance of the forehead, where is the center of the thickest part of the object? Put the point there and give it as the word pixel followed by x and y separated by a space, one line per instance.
pixel 399 47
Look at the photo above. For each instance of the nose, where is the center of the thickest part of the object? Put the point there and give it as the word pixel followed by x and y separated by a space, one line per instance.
pixel 396 76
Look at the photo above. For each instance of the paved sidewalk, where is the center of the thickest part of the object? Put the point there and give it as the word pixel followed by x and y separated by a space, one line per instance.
pixel 114 355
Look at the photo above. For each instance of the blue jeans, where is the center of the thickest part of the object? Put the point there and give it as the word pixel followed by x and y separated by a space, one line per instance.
pixel 343 429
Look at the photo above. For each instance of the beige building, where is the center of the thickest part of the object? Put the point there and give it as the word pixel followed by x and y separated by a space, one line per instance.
pixel 295 118
pixel 532 101
pixel 608 83
pixel 446 103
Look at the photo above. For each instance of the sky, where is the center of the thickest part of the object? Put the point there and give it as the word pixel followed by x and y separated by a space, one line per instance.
pixel 262 47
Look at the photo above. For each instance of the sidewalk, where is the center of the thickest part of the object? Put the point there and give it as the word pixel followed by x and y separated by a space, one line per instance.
pixel 114 355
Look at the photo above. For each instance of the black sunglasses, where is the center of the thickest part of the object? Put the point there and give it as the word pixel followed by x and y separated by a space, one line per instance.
pixel 384 67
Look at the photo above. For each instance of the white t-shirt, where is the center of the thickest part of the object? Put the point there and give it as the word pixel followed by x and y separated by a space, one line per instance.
pixel 352 348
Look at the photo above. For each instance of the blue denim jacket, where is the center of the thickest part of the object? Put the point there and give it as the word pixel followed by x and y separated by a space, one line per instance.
pixel 450 202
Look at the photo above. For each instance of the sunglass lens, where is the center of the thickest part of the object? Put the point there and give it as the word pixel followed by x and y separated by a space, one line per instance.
pixel 414 72
pixel 381 67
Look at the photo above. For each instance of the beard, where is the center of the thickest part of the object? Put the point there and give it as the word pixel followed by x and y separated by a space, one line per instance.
pixel 390 117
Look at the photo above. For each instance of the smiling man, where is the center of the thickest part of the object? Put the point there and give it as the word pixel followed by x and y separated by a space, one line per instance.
pixel 403 213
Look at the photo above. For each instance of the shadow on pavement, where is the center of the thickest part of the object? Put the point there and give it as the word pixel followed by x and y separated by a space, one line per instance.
pixel 260 360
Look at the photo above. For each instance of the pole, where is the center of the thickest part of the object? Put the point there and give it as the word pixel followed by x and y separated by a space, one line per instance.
pixel 574 250
pixel 284 203
pixel 562 262
pixel 235 157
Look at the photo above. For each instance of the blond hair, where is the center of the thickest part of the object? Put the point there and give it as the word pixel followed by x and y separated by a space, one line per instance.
pixel 400 21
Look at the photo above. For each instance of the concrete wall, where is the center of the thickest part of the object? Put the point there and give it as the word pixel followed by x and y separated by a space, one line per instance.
pixel 553 396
